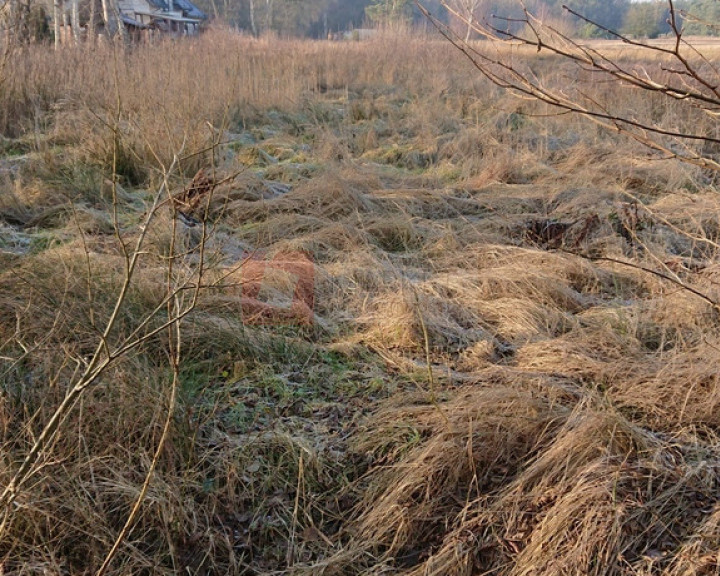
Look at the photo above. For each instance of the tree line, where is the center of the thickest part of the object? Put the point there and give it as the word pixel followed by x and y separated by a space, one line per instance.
pixel 330 18
pixel 599 18
pixel 320 18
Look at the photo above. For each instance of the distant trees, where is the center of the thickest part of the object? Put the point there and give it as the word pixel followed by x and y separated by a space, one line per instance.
pixel 34 20
pixel 26 20
pixel 341 15
pixel 467 11
pixel 291 17
pixel 388 12
pixel 59 21
pixel 312 18
pixel 646 20
pixel 701 17
pixel 508 15
pixel 608 13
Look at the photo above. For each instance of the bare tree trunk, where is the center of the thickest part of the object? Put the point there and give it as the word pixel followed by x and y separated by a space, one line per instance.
pixel 215 10
pixel 113 20
pixel 120 27
pixel 91 22
pixel 9 24
pixel 268 14
pixel 106 17
pixel 65 23
pixel 56 22
pixel 75 21
pixel 252 18
pixel 9 39
pixel 470 7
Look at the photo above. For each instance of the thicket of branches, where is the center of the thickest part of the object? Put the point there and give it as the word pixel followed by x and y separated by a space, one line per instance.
pixel 683 75
pixel 666 75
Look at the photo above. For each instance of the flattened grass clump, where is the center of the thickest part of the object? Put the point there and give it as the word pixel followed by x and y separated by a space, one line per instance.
pixel 432 467
pixel 557 481
pixel 407 317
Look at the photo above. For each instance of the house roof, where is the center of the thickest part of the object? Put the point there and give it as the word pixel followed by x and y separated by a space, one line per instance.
pixel 182 11
pixel 189 9
pixel 159 4
pixel 132 22
pixel 169 16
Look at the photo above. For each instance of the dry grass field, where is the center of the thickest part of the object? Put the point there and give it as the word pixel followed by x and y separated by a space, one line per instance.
pixel 485 379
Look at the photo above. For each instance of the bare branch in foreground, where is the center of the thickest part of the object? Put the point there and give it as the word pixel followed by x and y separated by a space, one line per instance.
pixel 499 58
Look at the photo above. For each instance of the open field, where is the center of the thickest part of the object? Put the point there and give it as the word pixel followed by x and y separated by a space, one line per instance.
pixel 489 383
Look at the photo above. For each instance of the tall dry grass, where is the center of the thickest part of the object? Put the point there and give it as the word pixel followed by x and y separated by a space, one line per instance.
pixel 478 393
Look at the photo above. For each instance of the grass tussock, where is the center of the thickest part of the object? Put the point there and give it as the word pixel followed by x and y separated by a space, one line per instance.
pixel 437 331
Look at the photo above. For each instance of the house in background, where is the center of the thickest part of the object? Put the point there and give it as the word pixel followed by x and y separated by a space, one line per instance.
pixel 180 17
pixel 74 21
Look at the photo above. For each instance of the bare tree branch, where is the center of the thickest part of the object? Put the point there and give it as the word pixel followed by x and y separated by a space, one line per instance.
pixel 499 59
